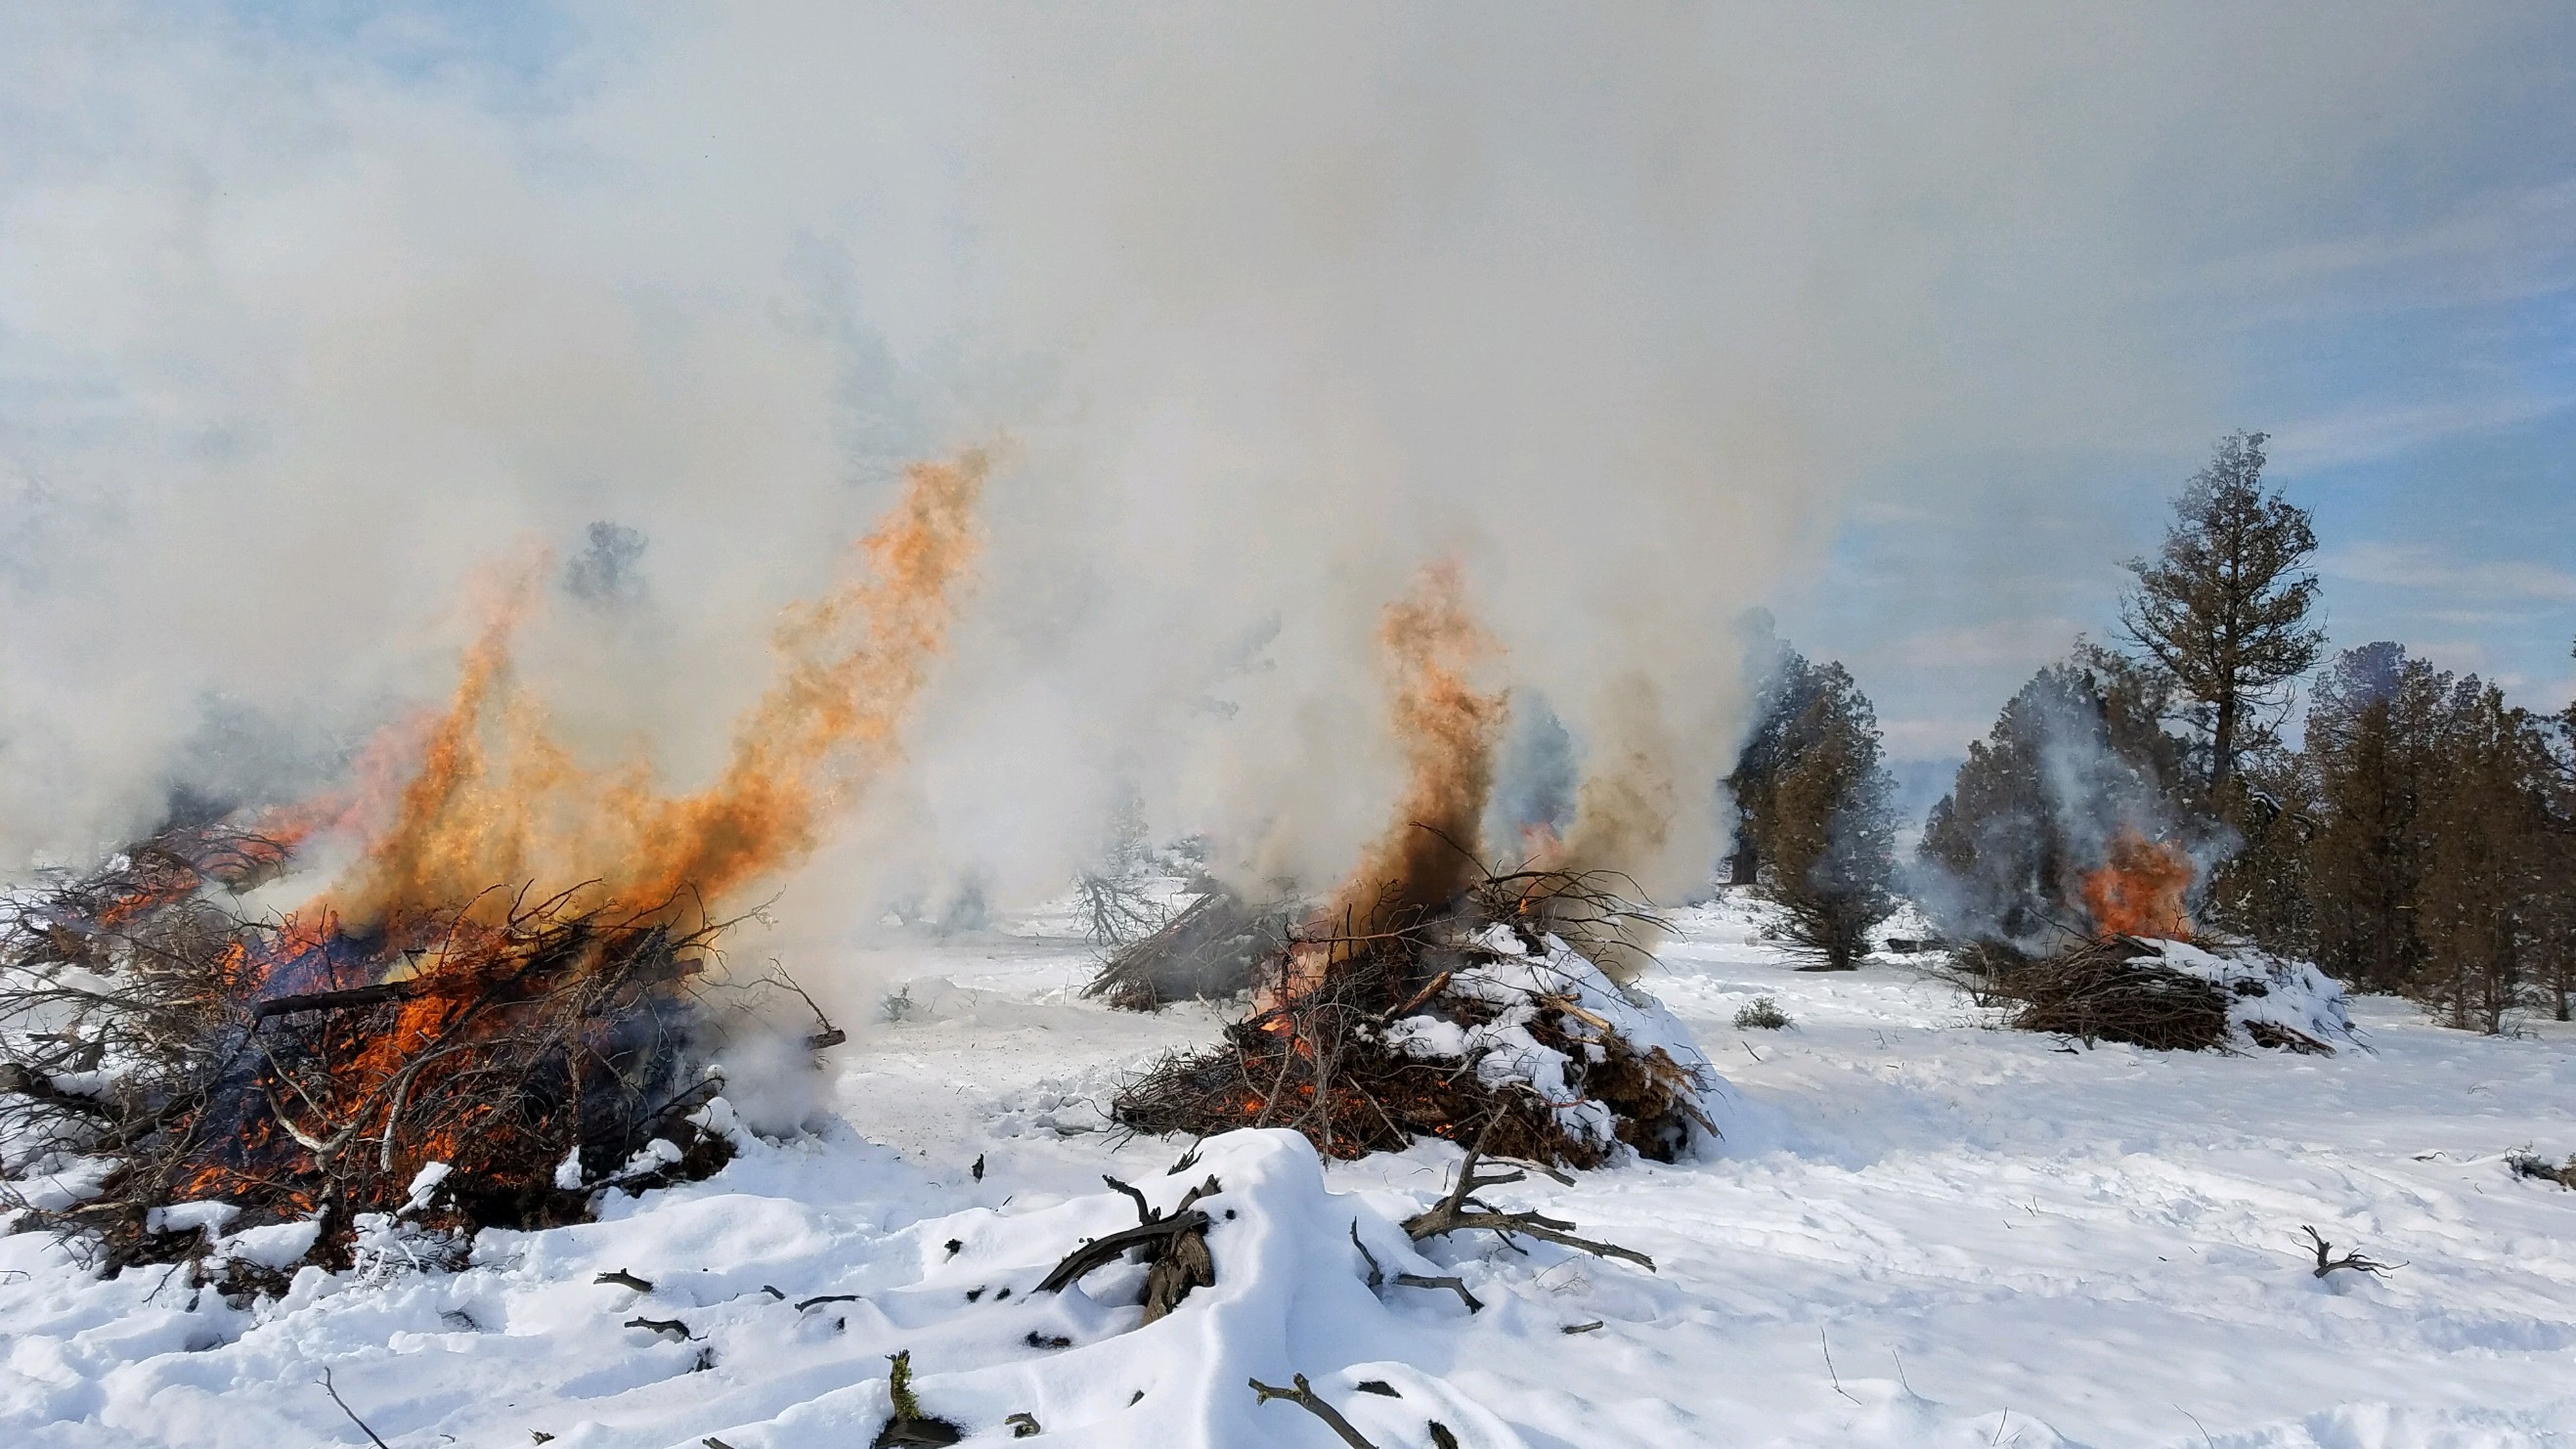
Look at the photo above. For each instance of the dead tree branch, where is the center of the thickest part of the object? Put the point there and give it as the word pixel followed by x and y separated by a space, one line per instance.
pixel 2327 1264
pixel 1451 1282
pixel 1303 1395
pixel 1461 1211
pixel 1174 1244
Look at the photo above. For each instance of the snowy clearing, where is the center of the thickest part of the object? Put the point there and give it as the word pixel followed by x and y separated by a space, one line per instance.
pixel 1917 1232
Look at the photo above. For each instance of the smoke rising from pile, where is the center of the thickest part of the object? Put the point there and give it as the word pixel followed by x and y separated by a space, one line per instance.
pixel 301 326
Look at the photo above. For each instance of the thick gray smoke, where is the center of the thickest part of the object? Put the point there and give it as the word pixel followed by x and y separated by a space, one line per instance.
pixel 1268 306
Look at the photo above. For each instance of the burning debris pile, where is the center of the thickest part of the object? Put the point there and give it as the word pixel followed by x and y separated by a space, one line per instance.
pixel 1475 1018
pixel 2145 981
pixel 2177 996
pixel 471 1068
pixel 444 1037
pixel 1433 997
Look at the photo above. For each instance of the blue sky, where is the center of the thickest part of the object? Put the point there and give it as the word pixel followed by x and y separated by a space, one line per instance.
pixel 2419 381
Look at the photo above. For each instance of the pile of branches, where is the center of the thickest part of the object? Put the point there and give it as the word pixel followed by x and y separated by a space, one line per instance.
pixel 1212 950
pixel 2106 989
pixel 1325 1051
pixel 540 1049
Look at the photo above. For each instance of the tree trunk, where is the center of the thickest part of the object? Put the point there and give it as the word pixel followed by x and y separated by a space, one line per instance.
pixel 2222 736
pixel 1743 866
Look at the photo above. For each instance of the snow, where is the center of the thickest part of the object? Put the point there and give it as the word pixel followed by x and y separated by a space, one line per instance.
pixel 2266 990
pixel 1998 1238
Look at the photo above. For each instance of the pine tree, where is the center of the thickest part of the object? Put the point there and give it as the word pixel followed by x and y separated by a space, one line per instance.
pixel 1781 708
pixel 2223 606
pixel 2481 909
pixel 2555 949
pixel 2375 737
pixel 2261 890
pixel 1827 823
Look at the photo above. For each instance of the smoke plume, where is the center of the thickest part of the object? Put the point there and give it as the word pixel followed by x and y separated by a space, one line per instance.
pixel 303 321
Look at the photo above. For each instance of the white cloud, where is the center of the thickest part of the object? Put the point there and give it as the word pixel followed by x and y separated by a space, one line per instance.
pixel 2376 430
pixel 2022 641
pixel 2415 566
pixel 2504 245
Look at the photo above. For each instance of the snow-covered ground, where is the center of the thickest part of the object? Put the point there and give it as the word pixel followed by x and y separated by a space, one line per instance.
pixel 1917 1232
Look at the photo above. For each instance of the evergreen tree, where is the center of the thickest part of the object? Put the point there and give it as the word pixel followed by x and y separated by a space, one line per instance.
pixel 1829 830
pixel 2223 607
pixel 2482 909
pixel 2556 910
pixel 1816 807
pixel 2261 889
pixel 1782 708
pixel 2374 745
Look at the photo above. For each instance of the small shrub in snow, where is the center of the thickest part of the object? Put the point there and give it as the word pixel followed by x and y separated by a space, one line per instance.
pixel 1761 1013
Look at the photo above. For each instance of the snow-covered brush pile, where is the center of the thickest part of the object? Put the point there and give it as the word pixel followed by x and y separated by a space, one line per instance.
pixel 2171 996
pixel 1478 1021
pixel 188 1066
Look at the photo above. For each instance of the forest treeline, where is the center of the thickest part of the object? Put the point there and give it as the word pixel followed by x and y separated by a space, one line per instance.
pixel 2414 833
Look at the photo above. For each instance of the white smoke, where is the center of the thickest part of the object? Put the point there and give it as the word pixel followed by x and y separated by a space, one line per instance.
pixel 1271 304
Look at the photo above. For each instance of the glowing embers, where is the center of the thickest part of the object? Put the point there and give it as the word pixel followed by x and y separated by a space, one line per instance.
pixel 503 1050
pixel 297 1070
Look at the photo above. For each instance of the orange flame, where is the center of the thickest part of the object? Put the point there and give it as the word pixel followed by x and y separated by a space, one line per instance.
pixel 1447 729
pixel 2139 891
pixel 495 800
pixel 1427 642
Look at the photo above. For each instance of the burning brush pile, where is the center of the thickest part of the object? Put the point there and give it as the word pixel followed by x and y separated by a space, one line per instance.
pixel 2145 980
pixel 1432 997
pixel 461 1068
pixel 442 1040
pixel 1475 1018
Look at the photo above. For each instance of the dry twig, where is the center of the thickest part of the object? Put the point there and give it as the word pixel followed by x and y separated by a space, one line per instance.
pixel 352 1413
pixel 1461 1211
pixel 1303 1395
pixel 2355 1261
